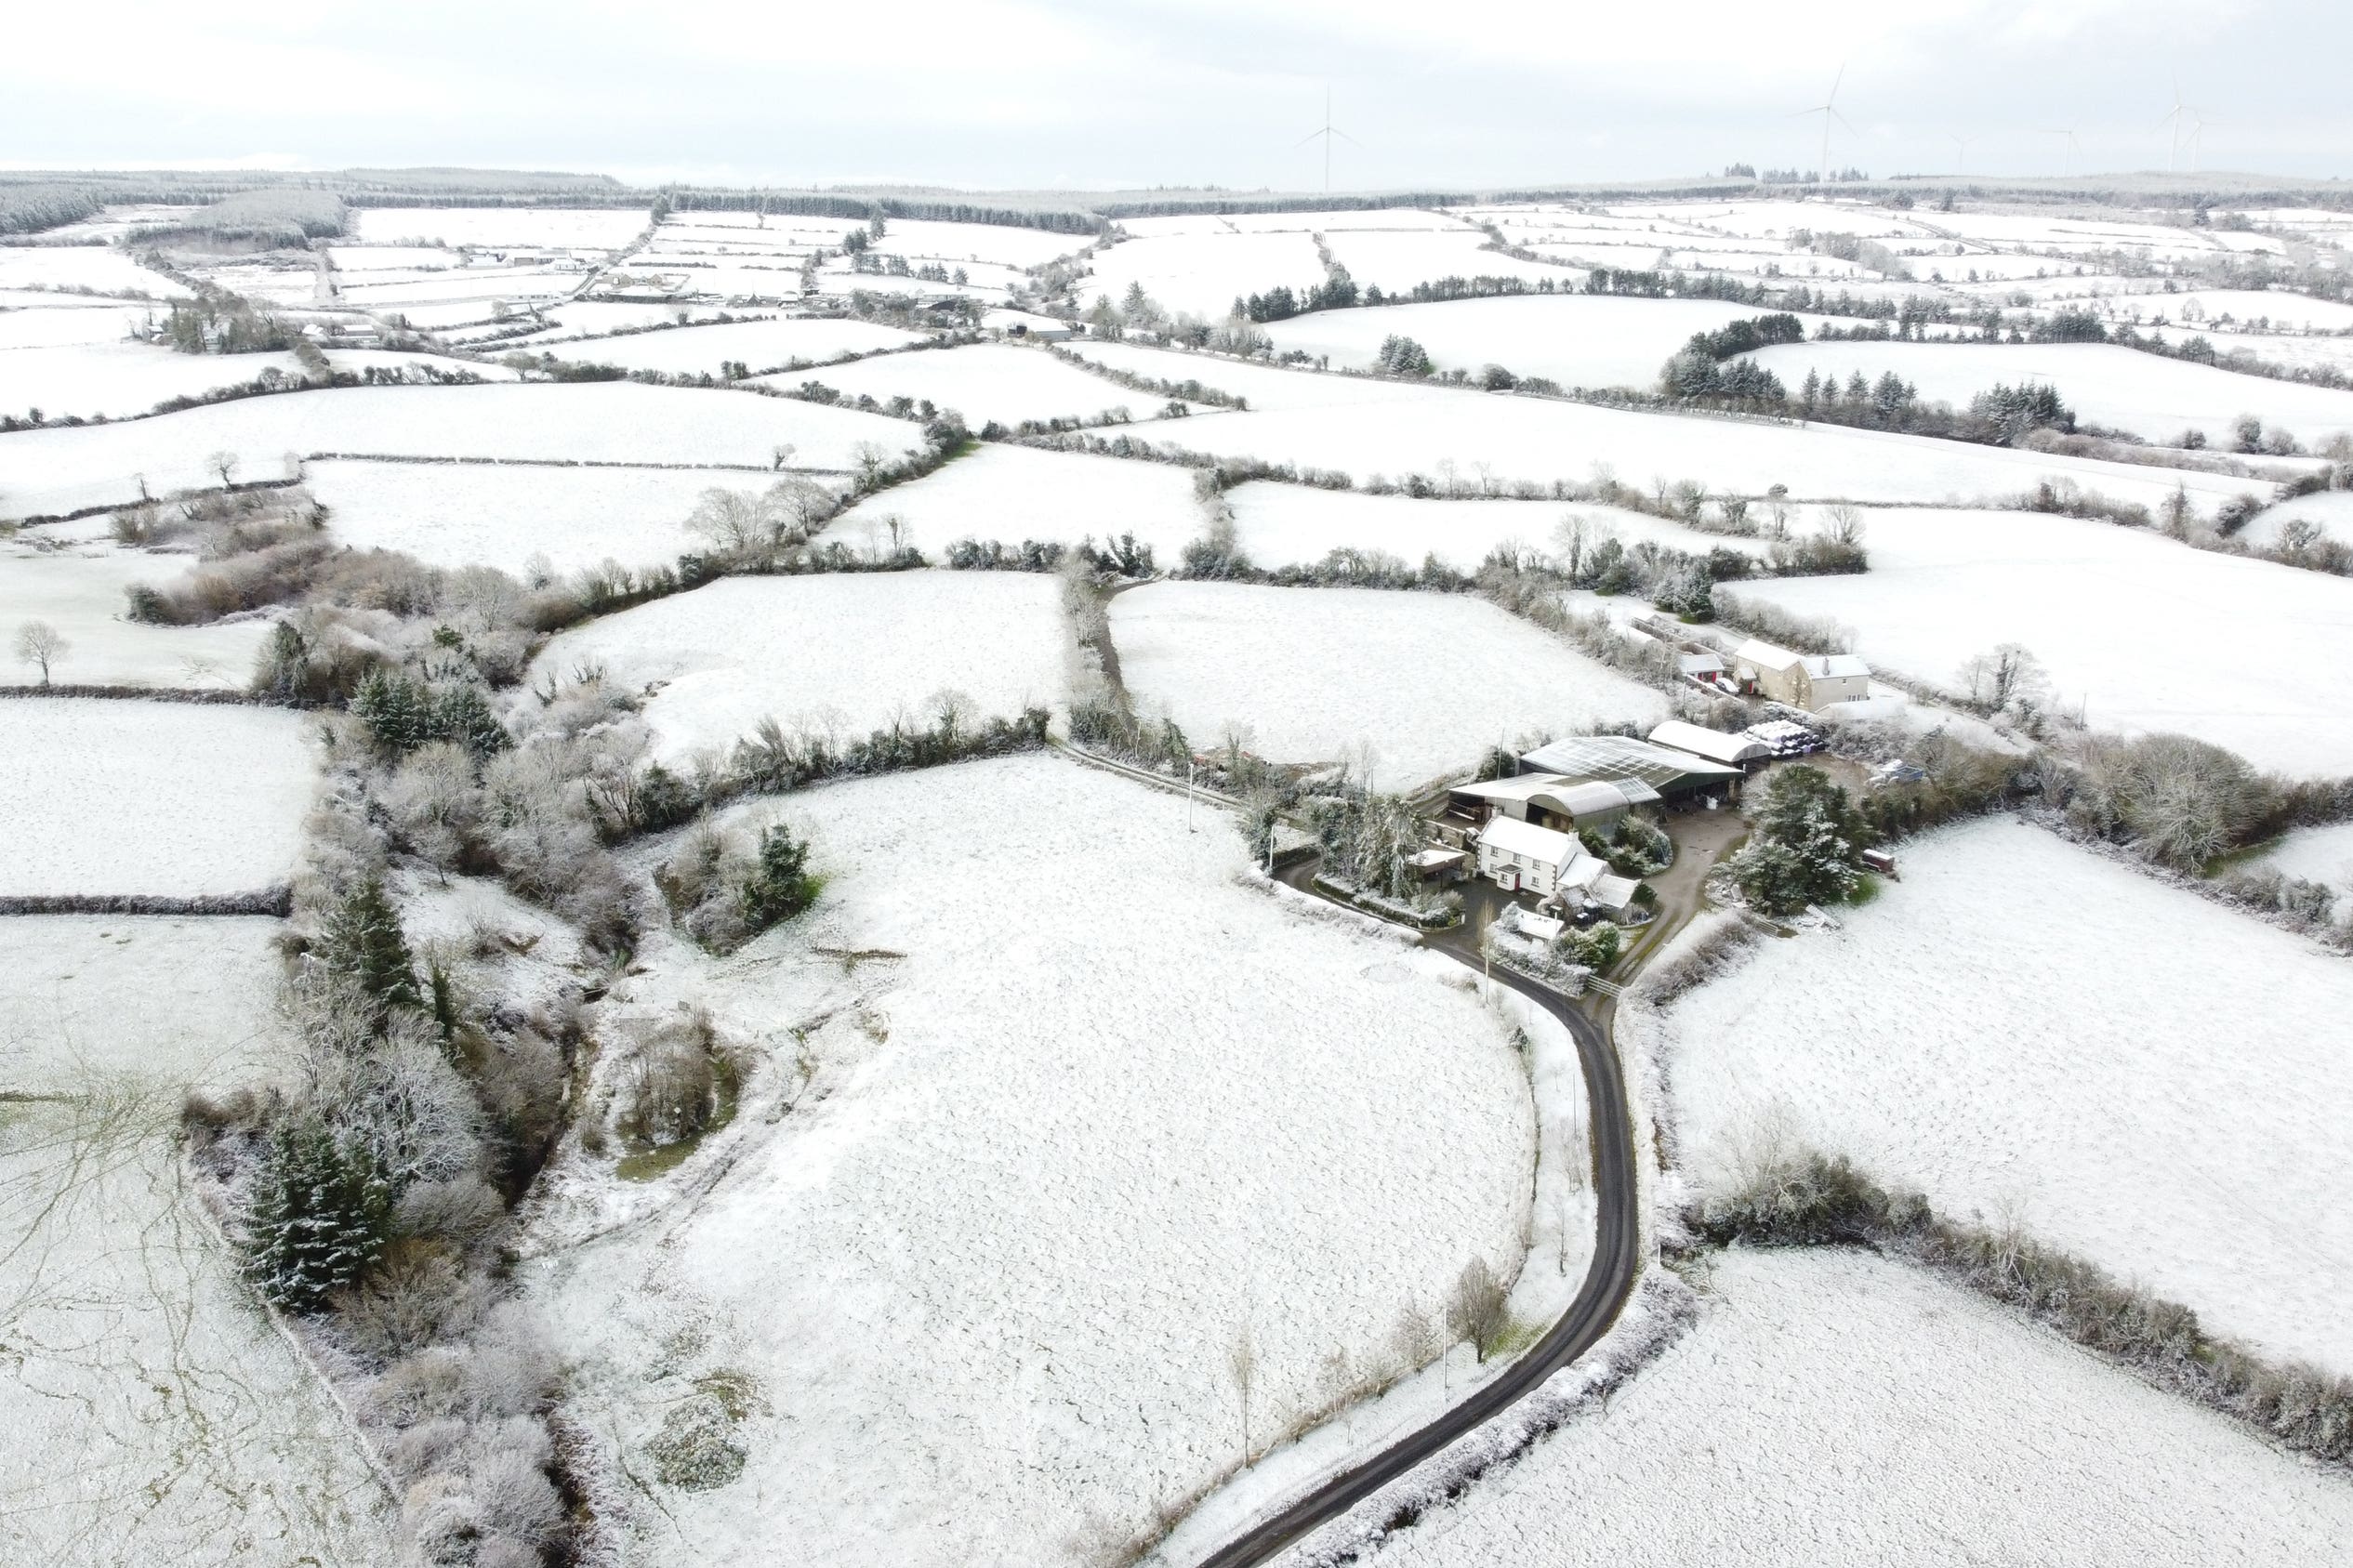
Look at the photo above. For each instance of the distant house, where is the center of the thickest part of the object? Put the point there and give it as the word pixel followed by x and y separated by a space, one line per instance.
pixel 1549 800
pixel 1811 681
pixel 1745 752
pixel 1026 326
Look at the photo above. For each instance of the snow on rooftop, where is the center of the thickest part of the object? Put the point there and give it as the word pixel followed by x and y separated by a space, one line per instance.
pixel 1511 837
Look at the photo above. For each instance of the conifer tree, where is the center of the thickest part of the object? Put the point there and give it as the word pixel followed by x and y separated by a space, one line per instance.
pixel 318 1215
pixel 363 941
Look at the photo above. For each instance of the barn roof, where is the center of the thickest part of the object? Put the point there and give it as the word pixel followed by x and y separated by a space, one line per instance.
pixel 1713 744
pixel 1622 759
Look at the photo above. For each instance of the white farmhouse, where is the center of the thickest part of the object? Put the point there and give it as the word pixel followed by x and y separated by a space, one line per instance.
pixel 1811 681
pixel 1521 857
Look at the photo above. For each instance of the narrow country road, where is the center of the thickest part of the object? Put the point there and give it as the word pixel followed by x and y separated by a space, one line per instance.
pixel 1608 1280
pixel 1608 1283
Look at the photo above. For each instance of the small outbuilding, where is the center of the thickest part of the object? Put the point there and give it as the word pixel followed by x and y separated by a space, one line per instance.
pixel 1027 326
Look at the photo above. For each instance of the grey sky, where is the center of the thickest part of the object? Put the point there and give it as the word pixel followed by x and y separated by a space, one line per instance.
pixel 1047 93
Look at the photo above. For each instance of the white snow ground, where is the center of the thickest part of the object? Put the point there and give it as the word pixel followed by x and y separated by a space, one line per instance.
pixel 489 514
pixel 1577 339
pixel 79 589
pixel 1015 493
pixel 2027 1030
pixel 849 651
pixel 2142 633
pixel 2317 854
pixel 1411 685
pixel 1363 427
pixel 984 382
pixel 1294 524
pixel 152 1415
pixel 1085 1109
pixel 1834 1407
pixel 64 469
pixel 164 800
pixel 761 344
pixel 2146 395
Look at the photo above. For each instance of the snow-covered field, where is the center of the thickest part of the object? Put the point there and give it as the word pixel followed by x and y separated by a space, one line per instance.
pixel 846 651
pixel 1368 427
pixel 82 266
pixel 2142 633
pixel 1087 1113
pixel 500 228
pixel 1411 685
pixel 1010 494
pixel 487 514
pixel 166 799
pixel 2030 1030
pixel 1294 524
pixel 2317 854
pixel 1202 274
pixel 2332 511
pixel 2146 395
pixel 2248 309
pixel 1577 339
pixel 152 1415
pixel 1835 1407
pixel 79 590
pixel 116 378
pixel 760 345
pixel 983 382
pixel 1393 261
pixel 63 470
pixel 82 322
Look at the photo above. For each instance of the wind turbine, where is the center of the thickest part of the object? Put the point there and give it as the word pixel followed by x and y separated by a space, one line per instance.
pixel 1329 132
pixel 2198 124
pixel 2074 148
pixel 2173 119
pixel 1962 166
pixel 1827 110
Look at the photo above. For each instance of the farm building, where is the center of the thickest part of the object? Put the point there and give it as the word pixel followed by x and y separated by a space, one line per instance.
pixel 1028 327
pixel 1548 801
pixel 1811 681
pixel 1676 777
pixel 1520 857
pixel 1741 751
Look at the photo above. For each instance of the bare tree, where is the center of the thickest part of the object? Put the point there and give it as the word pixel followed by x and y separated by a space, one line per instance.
pixel 224 464
pixel 1476 1308
pixel 1241 1361
pixel 1570 539
pixel 40 643
pixel 869 458
pixel 735 522
pixel 783 452
pixel 1842 524
pixel 2009 674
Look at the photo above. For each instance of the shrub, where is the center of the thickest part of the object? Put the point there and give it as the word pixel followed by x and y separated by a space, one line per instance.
pixel 697 1448
pixel 779 886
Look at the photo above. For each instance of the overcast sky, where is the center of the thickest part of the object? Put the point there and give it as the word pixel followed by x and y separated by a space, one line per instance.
pixel 1060 94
